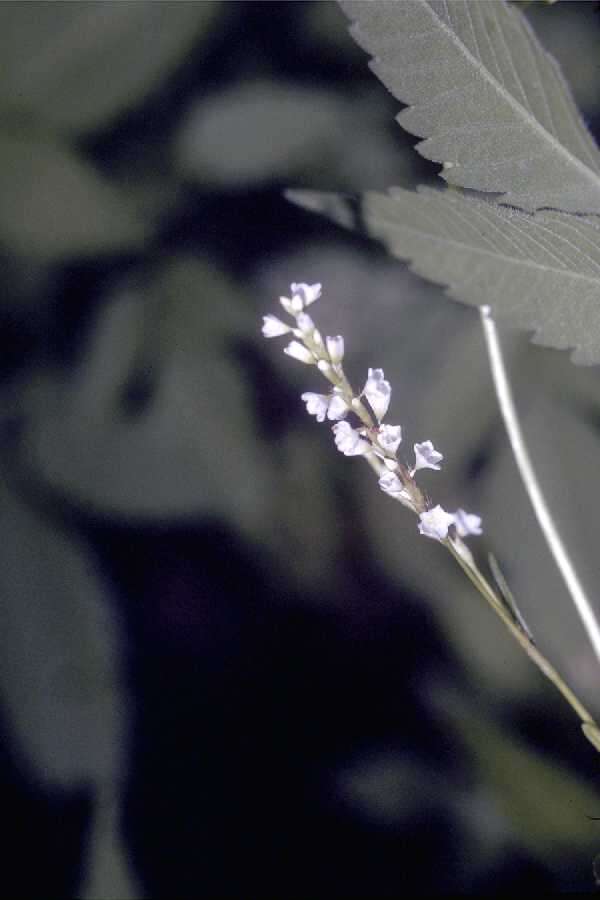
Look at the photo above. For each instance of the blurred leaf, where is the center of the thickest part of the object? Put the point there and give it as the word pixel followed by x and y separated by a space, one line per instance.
pixel 491 102
pixel 60 676
pixel 547 805
pixel 74 66
pixel 571 33
pixel 258 131
pixel 538 272
pixel 55 206
pixel 265 131
pixel 60 651
pixel 305 528
pixel 192 448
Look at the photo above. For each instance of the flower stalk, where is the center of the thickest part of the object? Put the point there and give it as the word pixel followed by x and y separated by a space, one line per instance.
pixel 378 443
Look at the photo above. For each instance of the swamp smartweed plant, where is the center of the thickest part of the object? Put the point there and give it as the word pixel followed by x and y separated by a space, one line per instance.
pixel 377 443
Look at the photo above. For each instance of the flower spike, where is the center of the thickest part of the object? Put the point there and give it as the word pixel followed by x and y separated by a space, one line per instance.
pixel 379 442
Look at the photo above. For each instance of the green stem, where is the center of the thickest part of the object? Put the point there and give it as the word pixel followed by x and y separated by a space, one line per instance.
pixel 485 589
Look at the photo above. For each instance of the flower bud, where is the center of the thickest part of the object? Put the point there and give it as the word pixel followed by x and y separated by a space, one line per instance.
pixel 305 323
pixel 287 305
pixel 298 351
pixel 335 348
pixel 307 293
pixel 273 327
pixel 378 392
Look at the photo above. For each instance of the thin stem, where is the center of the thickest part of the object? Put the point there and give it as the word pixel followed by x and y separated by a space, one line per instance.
pixel 479 581
pixel 540 507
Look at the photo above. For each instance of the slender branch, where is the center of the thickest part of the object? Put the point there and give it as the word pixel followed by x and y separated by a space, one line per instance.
pixel 557 548
pixel 479 581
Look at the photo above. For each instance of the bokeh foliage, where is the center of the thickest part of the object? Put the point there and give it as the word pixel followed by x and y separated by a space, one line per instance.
pixel 228 666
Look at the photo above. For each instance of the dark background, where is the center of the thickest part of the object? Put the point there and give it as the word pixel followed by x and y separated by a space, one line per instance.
pixel 229 665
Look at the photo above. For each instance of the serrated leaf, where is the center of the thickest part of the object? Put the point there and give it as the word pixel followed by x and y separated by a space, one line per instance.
pixel 538 272
pixel 491 103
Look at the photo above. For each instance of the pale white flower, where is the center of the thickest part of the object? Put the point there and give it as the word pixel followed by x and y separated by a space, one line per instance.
pixel 333 406
pixel 293 306
pixel 391 484
pixel 434 523
pixel 378 392
pixel 305 323
pixel 335 348
pixel 337 406
pixel 273 327
pixel 467 523
pixel 390 437
pixel 299 352
pixel 348 440
pixel 426 457
pixel 316 405
pixel 308 293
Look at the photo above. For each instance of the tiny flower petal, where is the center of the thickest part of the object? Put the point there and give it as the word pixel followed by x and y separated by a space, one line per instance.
pixel 378 392
pixel 316 405
pixel 308 293
pixel 390 437
pixel 426 457
pixel 391 484
pixel 467 523
pixel 305 323
pixel 348 440
pixel 273 327
pixel 434 523
pixel 299 352
pixel 335 348
pixel 337 407
pixel 287 305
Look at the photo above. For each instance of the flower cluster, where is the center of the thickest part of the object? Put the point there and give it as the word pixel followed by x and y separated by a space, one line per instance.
pixel 372 439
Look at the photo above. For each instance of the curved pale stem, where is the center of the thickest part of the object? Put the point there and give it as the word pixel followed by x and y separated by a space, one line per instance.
pixel 553 539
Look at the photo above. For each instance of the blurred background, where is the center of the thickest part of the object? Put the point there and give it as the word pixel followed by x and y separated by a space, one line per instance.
pixel 229 664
